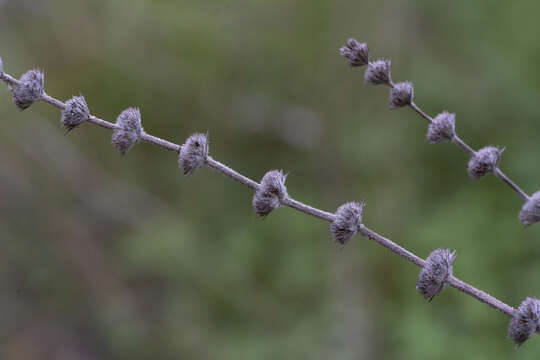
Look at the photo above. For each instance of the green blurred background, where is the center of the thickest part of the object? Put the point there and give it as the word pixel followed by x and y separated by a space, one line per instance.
pixel 111 257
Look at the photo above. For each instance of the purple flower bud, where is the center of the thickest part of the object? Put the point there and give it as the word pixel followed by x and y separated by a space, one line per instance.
pixel 193 153
pixel 484 161
pixel 29 90
pixel 348 221
pixel 442 128
pixel 435 273
pixel 525 322
pixel 357 54
pixel 271 193
pixel 530 212
pixel 1 67
pixel 401 95
pixel 378 72
pixel 75 113
pixel 129 130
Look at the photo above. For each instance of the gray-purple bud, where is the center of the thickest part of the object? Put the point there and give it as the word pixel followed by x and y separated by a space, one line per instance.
pixel 357 54
pixel 530 212
pixel 378 72
pixel 442 128
pixel 129 130
pixel 1 67
pixel 270 193
pixel 75 113
pixel 29 90
pixel 348 221
pixel 436 272
pixel 484 161
pixel 401 94
pixel 525 322
pixel 193 153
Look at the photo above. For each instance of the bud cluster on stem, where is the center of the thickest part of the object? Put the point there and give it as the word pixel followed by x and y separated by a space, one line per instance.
pixel 441 128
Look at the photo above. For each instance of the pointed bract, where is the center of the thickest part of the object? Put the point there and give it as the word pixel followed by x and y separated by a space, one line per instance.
pixel 29 90
pixel 484 161
pixel 193 153
pixel 357 54
pixel 129 130
pixel 435 273
pixel 530 212
pixel 525 322
pixel 401 94
pixel 378 73
pixel 271 193
pixel 442 128
pixel 348 221
pixel 75 113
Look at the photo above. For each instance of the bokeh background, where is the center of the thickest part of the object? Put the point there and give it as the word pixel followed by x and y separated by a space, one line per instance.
pixel 111 257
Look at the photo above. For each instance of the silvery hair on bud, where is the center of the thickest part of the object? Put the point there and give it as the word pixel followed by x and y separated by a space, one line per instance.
pixel 357 54
pixel 193 153
pixel 525 322
pixel 378 72
pixel 270 193
pixel 442 128
pixel 75 113
pixel 401 94
pixel 530 212
pixel 484 161
pixel 29 90
pixel 348 221
pixel 1 66
pixel 435 273
pixel 129 130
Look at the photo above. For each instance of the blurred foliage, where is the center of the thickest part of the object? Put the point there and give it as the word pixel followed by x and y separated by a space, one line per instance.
pixel 110 257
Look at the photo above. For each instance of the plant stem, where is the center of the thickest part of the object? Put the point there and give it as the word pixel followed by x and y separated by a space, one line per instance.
pixel 295 204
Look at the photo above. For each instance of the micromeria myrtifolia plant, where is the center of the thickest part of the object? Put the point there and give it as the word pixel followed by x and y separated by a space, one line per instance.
pixel 271 192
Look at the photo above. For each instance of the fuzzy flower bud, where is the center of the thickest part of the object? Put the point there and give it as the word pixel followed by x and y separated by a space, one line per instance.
pixel 442 128
pixel 193 153
pixel 525 322
pixel 271 193
pixel 29 90
pixel 401 95
pixel 530 212
pixel 435 273
pixel 484 161
pixel 75 113
pixel 357 54
pixel 1 67
pixel 378 72
pixel 129 130
pixel 348 221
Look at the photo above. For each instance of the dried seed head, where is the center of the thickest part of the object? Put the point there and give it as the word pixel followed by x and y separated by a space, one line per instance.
pixel 348 221
pixel 442 128
pixel 357 54
pixel 271 193
pixel 435 273
pixel 75 113
pixel 29 90
pixel 378 72
pixel 129 130
pixel 525 322
pixel 530 212
pixel 401 95
pixel 484 161
pixel 193 153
